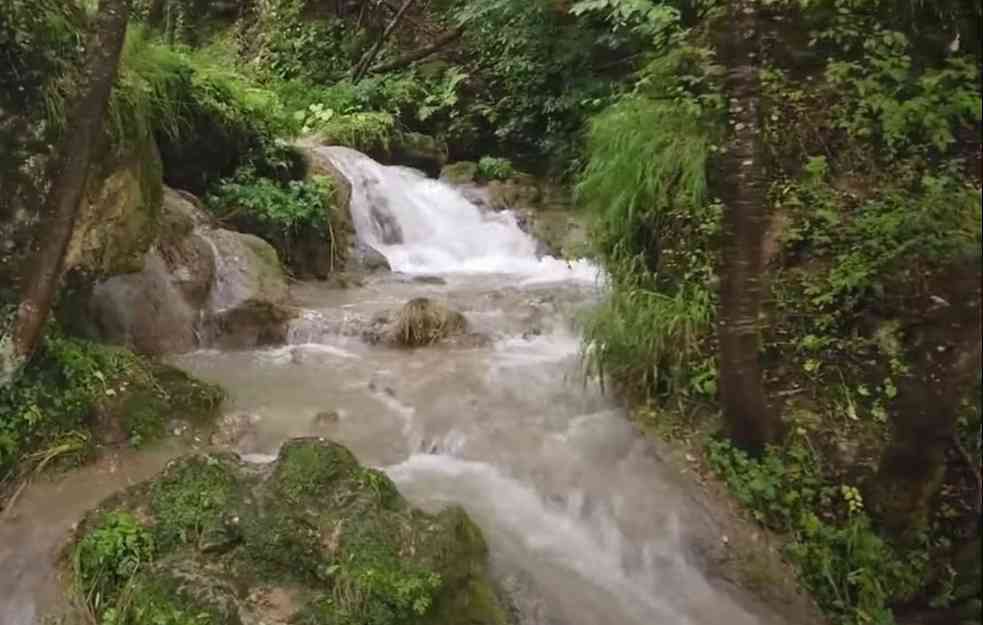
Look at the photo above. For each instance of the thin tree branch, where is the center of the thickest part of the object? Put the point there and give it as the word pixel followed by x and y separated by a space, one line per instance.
pixel 373 52
pixel 418 55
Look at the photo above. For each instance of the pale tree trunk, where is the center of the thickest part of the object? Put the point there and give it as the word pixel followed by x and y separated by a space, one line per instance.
pixel 749 420
pixel 82 133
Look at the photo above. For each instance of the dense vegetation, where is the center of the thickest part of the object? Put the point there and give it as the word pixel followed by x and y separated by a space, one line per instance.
pixel 862 121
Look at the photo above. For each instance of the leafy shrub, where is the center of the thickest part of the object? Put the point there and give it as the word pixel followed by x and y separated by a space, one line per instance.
pixel 493 168
pixel 905 107
pixel 365 132
pixel 933 218
pixel 283 214
pixel 40 43
pixel 854 574
pixel 109 556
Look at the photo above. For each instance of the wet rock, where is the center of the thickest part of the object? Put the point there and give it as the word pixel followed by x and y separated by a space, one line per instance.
pixel 436 280
pixel 459 173
pixel 367 258
pixel 326 419
pixel 419 151
pixel 237 431
pixel 313 521
pixel 198 285
pixel 518 192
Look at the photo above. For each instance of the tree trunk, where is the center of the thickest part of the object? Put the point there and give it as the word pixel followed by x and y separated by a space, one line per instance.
pixel 83 128
pixel 944 355
pixel 749 420
pixel 367 60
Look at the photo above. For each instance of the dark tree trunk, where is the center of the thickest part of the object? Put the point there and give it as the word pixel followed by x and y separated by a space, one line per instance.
pixel 944 352
pixel 749 420
pixel 363 66
pixel 83 132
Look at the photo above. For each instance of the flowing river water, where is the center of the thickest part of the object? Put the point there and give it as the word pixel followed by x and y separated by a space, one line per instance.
pixel 585 524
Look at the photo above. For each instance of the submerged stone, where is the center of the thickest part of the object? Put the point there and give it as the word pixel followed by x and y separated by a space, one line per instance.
pixel 332 541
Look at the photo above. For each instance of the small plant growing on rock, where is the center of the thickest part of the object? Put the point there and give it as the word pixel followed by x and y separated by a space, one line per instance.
pixel 109 556
pixel 493 168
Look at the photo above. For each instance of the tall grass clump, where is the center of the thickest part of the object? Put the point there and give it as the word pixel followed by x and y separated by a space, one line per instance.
pixel 655 228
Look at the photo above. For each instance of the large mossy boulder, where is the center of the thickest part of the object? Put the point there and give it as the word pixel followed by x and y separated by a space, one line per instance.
pixel 199 286
pixel 311 539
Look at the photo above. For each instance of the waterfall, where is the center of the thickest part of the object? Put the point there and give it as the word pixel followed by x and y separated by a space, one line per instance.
pixel 425 226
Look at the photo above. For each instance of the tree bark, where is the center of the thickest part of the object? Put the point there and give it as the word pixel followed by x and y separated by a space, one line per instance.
pixel 417 55
pixel 366 62
pixel 84 125
pixel 749 420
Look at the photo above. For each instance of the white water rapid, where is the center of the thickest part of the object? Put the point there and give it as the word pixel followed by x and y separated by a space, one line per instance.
pixel 423 226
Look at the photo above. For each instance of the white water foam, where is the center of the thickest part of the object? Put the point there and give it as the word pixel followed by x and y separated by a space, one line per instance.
pixel 423 226
pixel 591 548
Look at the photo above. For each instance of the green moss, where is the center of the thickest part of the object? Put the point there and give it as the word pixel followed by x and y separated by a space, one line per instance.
pixel 311 470
pixel 460 173
pixel 167 595
pixel 280 546
pixel 190 497
pixel 187 397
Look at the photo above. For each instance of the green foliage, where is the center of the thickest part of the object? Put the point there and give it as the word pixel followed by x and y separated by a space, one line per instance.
pixel 537 80
pixel 888 96
pixel 108 557
pixel 366 132
pixel 646 183
pixel 190 499
pixel 654 344
pixel 647 18
pixel 56 391
pixel 41 40
pixel 934 217
pixel 853 573
pixel 285 45
pixel 207 117
pixel 279 213
pixel 494 168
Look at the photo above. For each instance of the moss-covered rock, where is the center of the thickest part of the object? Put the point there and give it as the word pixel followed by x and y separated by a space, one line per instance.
pixel 462 172
pixel 333 542
pixel 119 217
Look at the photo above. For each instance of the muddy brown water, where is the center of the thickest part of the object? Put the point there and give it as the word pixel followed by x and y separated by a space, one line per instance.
pixel 586 525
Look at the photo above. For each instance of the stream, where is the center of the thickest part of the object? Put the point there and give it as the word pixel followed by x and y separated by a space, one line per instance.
pixel 586 525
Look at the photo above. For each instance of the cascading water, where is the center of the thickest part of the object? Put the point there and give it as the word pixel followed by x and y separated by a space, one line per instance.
pixel 424 226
